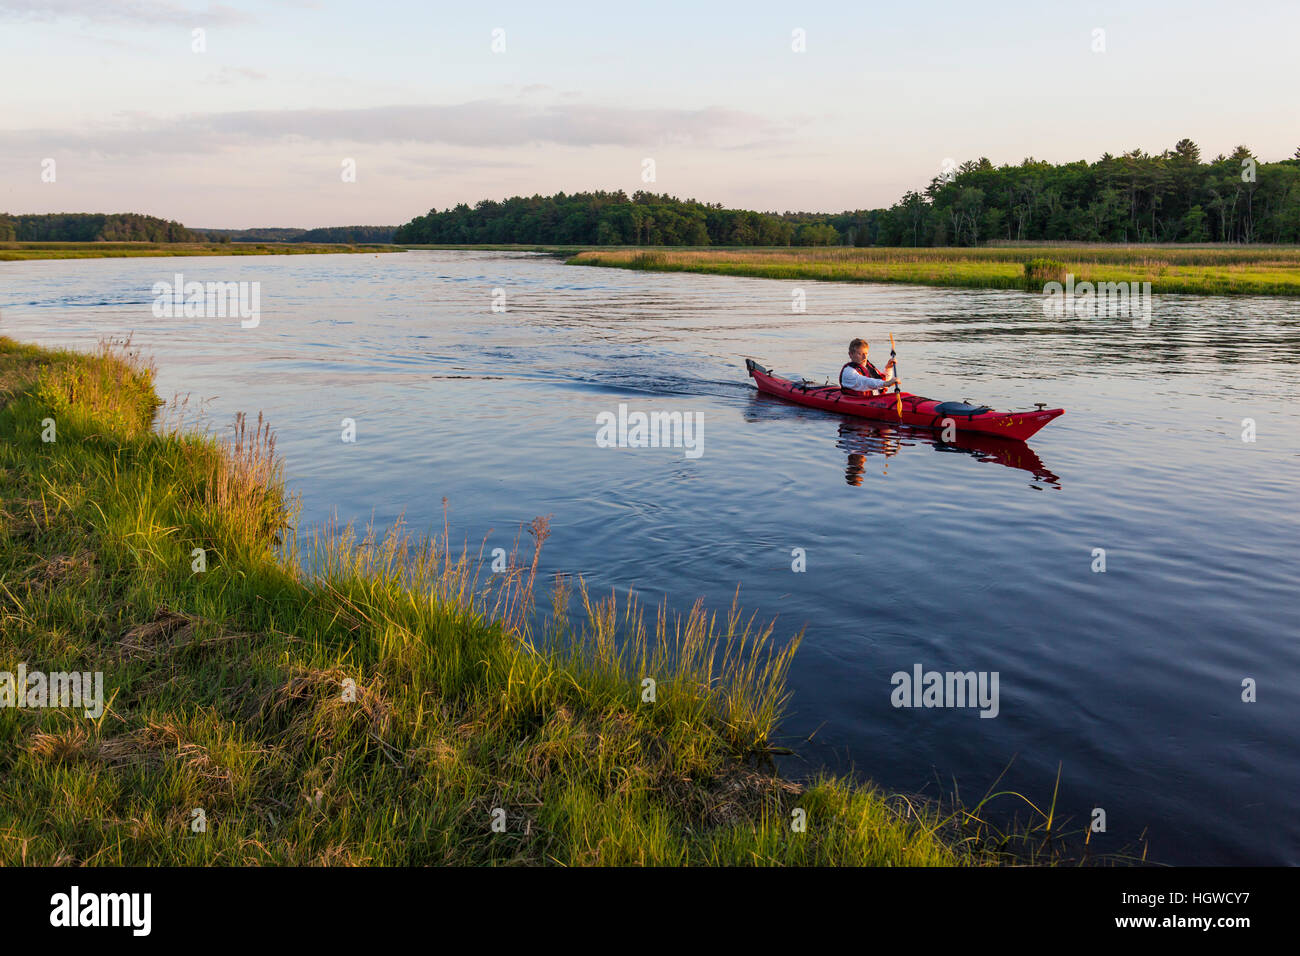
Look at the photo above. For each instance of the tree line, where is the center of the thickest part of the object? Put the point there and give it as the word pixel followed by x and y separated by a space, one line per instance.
pixel 349 234
pixel 1136 197
pixel 133 227
pixel 92 227
pixel 614 218
pixel 1172 196
pixel 325 234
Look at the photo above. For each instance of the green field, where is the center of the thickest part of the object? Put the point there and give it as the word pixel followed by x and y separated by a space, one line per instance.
pixel 18 251
pixel 1200 270
pixel 379 702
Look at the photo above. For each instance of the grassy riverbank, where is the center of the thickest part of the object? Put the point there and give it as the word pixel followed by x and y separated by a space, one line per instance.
pixel 20 251
pixel 1201 270
pixel 376 706
pixel 565 251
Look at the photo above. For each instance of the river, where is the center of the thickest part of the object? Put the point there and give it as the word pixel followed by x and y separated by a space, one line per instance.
pixel 913 552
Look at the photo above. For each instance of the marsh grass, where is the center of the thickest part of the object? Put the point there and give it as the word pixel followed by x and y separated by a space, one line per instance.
pixel 369 698
pixel 1040 270
pixel 1203 270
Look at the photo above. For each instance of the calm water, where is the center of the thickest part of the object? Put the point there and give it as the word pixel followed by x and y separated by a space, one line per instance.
pixel 976 559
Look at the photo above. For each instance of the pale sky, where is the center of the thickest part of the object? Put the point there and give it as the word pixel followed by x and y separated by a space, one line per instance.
pixel 254 129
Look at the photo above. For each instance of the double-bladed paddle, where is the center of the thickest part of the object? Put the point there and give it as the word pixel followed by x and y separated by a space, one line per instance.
pixel 897 391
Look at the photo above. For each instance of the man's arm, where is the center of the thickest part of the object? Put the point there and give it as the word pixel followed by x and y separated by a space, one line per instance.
pixel 852 378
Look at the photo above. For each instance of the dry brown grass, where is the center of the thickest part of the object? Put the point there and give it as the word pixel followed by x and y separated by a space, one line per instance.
pixel 169 631
pixel 320 707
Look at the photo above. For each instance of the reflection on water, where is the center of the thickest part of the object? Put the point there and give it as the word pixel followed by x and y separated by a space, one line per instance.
pixel 863 441
pixel 867 441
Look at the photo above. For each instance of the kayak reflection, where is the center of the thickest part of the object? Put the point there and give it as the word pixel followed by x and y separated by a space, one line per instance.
pixel 863 440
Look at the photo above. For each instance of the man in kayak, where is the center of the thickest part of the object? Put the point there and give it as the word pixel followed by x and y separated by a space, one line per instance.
pixel 860 377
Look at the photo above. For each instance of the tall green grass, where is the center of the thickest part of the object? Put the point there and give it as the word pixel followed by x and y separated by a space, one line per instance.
pixel 1040 270
pixel 377 700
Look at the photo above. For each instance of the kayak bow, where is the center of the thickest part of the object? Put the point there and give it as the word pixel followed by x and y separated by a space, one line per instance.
pixel 904 407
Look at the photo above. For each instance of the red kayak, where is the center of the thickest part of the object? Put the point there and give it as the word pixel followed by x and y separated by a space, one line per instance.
pixel 917 410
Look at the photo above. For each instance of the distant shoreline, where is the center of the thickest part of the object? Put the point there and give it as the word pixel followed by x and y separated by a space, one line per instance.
pixel 28 251
pixel 1207 269
pixel 1195 270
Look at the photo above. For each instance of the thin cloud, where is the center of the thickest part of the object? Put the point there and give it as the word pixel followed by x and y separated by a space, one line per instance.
pixel 481 124
pixel 132 12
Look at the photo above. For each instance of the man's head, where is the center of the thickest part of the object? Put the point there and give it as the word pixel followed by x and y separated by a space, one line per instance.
pixel 858 351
